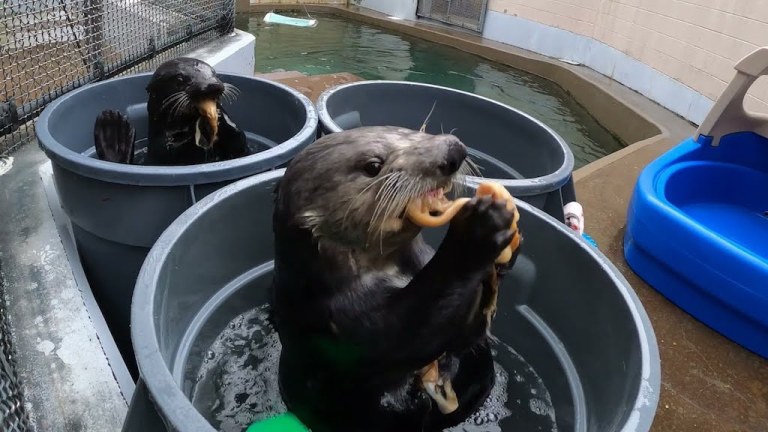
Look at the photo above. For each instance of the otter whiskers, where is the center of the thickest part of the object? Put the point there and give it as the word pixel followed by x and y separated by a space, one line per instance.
pixel 467 169
pixel 358 198
pixel 175 102
pixel 180 100
pixel 395 191
pixel 392 199
pixel 231 93
pixel 400 189
pixel 423 127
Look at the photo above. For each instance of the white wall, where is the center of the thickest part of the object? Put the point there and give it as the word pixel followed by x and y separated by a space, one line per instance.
pixel 679 53
pixel 562 44
pixel 403 9
pixel 232 53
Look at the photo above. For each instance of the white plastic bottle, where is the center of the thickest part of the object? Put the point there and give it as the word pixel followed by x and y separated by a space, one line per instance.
pixel 574 216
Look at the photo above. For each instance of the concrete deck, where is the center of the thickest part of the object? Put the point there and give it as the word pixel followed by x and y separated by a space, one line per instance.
pixel 708 382
pixel 310 86
pixel 66 376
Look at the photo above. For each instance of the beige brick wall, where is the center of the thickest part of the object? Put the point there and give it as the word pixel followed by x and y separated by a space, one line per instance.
pixel 696 42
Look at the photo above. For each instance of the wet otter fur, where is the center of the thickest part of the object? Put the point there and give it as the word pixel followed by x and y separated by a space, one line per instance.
pixel 359 300
pixel 187 123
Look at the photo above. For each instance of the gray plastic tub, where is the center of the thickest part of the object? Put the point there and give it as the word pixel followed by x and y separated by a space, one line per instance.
pixel 530 159
pixel 118 211
pixel 564 308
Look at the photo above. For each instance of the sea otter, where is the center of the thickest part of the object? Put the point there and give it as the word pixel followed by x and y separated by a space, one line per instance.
pixel 187 124
pixel 362 305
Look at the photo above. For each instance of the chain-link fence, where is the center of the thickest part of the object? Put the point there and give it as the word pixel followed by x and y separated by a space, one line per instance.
pixel 469 14
pixel 49 47
pixel 13 414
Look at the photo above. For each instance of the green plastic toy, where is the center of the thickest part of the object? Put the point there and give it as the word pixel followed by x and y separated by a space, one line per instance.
pixel 281 423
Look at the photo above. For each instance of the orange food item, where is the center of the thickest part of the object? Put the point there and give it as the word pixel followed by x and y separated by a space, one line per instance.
pixel 440 389
pixel 420 211
pixel 208 109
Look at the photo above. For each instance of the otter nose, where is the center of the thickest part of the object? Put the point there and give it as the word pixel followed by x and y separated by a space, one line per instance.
pixel 454 157
pixel 213 88
pixel 203 89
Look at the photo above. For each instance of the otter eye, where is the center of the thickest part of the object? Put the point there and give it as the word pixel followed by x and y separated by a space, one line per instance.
pixel 372 168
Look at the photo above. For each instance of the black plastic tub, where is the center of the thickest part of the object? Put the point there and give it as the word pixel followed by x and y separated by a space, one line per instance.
pixel 529 158
pixel 117 211
pixel 564 309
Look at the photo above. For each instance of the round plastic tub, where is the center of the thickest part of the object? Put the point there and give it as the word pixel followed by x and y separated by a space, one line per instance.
pixel 563 308
pixel 530 159
pixel 117 211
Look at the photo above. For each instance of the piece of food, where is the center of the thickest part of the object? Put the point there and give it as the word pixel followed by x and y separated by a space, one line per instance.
pixel 439 388
pixel 435 209
pixel 207 109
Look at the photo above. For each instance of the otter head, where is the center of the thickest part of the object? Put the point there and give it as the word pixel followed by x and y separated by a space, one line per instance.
pixel 352 187
pixel 189 89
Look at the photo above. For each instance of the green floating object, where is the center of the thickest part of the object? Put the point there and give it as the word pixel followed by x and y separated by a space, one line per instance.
pixel 280 423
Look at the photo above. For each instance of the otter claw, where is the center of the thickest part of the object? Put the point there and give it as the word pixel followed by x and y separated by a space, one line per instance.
pixel 114 137
pixel 445 397
pixel 439 389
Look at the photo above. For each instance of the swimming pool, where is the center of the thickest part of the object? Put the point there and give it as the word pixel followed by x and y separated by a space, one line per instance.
pixel 341 45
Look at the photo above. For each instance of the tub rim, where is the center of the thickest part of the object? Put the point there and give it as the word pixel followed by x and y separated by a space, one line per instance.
pixel 522 187
pixel 156 175
pixel 159 381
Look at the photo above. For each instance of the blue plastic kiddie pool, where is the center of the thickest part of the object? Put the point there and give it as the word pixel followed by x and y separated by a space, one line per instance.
pixel 697 228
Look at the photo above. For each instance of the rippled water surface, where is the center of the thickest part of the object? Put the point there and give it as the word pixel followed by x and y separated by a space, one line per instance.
pixel 237 384
pixel 341 45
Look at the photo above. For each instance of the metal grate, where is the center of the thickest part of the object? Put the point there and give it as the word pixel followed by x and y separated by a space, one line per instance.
pixel 469 14
pixel 50 47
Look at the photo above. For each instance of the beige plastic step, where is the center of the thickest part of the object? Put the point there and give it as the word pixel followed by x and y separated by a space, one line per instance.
pixel 728 114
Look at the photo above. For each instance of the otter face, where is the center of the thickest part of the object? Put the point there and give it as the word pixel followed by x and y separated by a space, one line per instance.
pixel 189 88
pixel 353 186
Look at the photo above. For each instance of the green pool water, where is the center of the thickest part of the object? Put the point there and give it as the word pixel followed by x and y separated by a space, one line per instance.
pixel 342 45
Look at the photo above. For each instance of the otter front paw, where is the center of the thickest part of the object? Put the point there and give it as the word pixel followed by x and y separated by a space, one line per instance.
pixel 114 137
pixel 480 230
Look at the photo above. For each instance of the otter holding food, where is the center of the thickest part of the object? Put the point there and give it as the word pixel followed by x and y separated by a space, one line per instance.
pixel 380 332
pixel 187 124
pixel 434 211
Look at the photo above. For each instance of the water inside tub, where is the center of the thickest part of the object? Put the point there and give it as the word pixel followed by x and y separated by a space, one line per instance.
pixel 237 383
